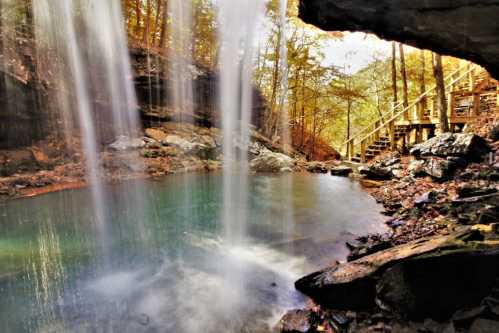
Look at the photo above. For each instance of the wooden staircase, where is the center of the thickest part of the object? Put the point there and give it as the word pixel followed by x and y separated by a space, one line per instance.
pixel 466 98
pixel 381 144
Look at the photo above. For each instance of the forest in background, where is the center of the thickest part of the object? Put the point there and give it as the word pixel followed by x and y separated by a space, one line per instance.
pixel 326 104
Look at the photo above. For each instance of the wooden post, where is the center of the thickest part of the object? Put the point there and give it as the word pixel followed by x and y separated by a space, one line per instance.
pixel 419 134
pixel 450 106
pixel 476 104
pixel 363 148
pixel 391 131
pixel 376 133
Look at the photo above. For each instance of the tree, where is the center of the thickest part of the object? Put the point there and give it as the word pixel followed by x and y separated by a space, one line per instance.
pixel 440 89
pixel 394 73
pixel 422 78
pixel 403 73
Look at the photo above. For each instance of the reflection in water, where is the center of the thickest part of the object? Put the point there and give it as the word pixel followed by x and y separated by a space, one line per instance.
pixel 51 280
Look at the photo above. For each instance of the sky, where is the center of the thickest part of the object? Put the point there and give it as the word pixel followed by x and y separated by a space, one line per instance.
pixel 355 51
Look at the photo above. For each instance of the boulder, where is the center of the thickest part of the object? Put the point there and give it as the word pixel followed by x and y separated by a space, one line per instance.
pixel 482 209
pixel 468 146
pixel 430 277
pixel 376 172
pixel 179 142
pixel 317 167
pixel 155 134
pixel 124 143
pixel 341 171
pixel 439 168
pixel 436 285
pixel 484 326
pixel 416 168
pixel 425 198
pixel 15 161
pixel 494 133
pixel 269 161
pixel 295 321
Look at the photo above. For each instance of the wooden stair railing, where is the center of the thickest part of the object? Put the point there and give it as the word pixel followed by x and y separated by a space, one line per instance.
pixel 363 140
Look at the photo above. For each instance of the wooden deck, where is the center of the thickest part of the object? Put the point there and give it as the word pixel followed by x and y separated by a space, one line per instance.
pixel 471 93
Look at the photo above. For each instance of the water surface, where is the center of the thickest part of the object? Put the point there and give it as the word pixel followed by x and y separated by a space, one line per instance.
pixel 161 264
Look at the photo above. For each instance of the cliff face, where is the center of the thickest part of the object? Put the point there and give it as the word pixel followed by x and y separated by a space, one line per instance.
pixel 466 29
pixel 20 120
pixel 28 98
pixel 153 82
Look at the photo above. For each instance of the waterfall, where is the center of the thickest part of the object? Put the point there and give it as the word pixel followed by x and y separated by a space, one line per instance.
pixel 110 56
pixel 180 59
pixel 238 24
pixel 94 70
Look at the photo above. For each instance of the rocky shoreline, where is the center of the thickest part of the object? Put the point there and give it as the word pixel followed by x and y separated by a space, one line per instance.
pixel 437 270
pixel 167 148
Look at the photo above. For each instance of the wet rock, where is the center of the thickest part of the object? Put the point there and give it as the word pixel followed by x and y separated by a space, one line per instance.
pixel 124 143
pixel 179 142
pixel 466 316
pixel 468 191
pixel 426 198
pixel 155 134
pixel 376 172
pixel 427 286
pixel 201 150
pixel 468 146
pixel 416 168
pixel 438 168
pixel 296 321
pixel 417 279
pixel 317 167
pixel 477 210
pixel 269 161
pixel 17 161
pixel 494 133
pixel 41 158
pixel 341 171
pixel 484 326
pixel 365 246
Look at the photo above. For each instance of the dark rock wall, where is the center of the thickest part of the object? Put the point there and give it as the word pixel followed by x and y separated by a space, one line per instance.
pixel 21 120
pixel 466 29
pixel 153 83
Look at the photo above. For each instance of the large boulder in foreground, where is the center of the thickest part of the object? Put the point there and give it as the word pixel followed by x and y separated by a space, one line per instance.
pixel 268 161
pixel 468 146
pixel 426 278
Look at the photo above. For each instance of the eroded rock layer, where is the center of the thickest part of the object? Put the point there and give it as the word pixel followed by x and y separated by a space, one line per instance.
pixel 466 29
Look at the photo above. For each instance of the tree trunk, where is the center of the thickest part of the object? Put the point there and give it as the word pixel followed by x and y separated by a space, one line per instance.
pixel 275 83
pixel 440 88
pixel 394 74
pixel 156 21
pixel 137 18
pixel 403 73
pixel 147 30
pixel 422 79
pixel 164 27
pixel 302 115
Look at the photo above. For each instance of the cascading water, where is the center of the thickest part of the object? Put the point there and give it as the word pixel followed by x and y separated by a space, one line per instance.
pixel 238 24
pixel 285 135
pixel 181 91
pixel 64 10
pixel 180 59
pixel 94 53
pixel 110 57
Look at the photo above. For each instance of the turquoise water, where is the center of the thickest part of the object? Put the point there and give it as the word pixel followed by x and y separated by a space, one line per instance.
pixel 160 265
